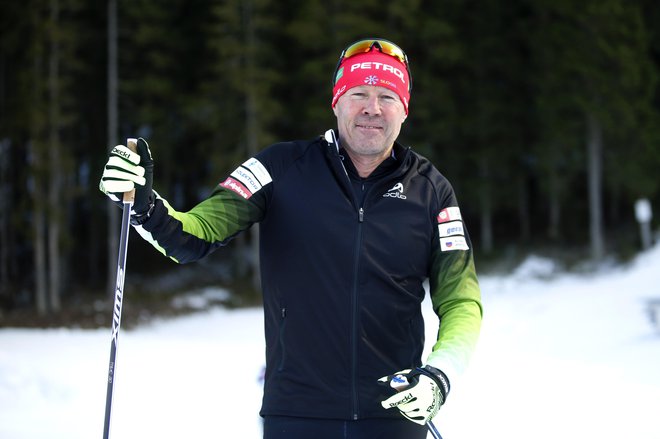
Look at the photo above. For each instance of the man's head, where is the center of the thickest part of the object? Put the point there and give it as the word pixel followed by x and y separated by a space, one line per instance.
pixel 375 62
pixel 371 93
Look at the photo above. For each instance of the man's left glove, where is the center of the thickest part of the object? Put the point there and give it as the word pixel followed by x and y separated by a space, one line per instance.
pixel 126 170
pixel 421 392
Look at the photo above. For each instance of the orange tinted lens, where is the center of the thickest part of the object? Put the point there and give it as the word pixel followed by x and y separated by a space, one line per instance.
pixel 356 48
pixel 385 46
pixel 392 50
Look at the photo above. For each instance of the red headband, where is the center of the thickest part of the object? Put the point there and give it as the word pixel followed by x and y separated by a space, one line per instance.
pixel 372 68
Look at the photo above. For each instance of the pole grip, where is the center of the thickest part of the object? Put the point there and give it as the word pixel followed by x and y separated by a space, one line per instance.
pixel 129 197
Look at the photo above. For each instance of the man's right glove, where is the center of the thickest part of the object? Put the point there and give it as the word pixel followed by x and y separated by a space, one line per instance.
pixel 126 170
pixel 421 392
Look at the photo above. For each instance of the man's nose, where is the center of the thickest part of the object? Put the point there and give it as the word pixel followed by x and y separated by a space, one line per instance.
pixel 372 105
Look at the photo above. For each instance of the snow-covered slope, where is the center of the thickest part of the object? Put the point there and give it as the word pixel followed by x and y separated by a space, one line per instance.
pixel 561 356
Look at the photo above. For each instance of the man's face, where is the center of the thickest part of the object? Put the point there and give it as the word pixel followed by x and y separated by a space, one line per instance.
pixel 369 119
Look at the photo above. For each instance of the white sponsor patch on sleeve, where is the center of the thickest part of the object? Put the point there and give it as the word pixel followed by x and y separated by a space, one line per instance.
pixel 453 243
pixel 449 214
pixel 451 228
pixel 258 170
pixel 248 179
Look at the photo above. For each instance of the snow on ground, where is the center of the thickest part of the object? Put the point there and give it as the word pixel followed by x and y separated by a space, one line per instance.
pixel 561 356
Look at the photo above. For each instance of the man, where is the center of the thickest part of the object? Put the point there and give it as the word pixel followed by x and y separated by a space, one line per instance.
pixel 351 226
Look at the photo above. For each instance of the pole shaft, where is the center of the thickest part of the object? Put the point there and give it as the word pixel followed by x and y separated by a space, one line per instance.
pixel 434 431
pixel 116 318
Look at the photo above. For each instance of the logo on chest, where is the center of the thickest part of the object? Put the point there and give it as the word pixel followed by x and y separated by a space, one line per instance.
pixel 395 192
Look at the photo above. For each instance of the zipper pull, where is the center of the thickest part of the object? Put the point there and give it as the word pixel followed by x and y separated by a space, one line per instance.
pixel 361 215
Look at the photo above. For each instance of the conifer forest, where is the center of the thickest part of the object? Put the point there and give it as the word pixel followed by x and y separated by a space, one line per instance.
pixel 544 115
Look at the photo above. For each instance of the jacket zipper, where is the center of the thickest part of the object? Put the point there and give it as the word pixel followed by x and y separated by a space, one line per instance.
pixel 355 315
pixel 354 293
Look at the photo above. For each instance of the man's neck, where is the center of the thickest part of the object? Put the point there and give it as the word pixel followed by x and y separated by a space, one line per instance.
pixel 366 164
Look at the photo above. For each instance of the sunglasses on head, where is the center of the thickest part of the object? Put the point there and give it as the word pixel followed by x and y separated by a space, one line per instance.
pixel 364 46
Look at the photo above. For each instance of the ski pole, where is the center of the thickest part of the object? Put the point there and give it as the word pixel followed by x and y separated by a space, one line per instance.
pixel 434 431
pixel 129 197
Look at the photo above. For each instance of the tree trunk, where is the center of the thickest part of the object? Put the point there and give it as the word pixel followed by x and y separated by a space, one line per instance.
pixel 523 211
pixel 5 191
pixel 36 188
pixel 486 209
pixel 39 234
pixel 595 171
pixel 55 167
pixel 554 205
pixel 113 117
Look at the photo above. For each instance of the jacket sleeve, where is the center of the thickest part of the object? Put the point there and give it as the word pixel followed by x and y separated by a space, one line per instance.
pixel 454 292
pixel 233 207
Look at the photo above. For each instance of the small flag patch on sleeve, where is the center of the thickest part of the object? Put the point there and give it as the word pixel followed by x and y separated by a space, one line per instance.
pixel 453 243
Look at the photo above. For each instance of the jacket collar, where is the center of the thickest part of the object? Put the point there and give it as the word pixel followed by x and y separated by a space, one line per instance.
pixel 399 152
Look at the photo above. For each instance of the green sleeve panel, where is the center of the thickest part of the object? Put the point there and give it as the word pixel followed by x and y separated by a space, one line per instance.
pixel 456 300
pixel 219 217
pixel 189 236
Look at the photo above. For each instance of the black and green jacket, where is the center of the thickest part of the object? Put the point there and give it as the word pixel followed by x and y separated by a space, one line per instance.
pixel 343 262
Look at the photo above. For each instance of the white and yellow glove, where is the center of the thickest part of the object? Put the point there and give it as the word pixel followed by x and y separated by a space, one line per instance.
pixel 126 170
pixel 420 393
